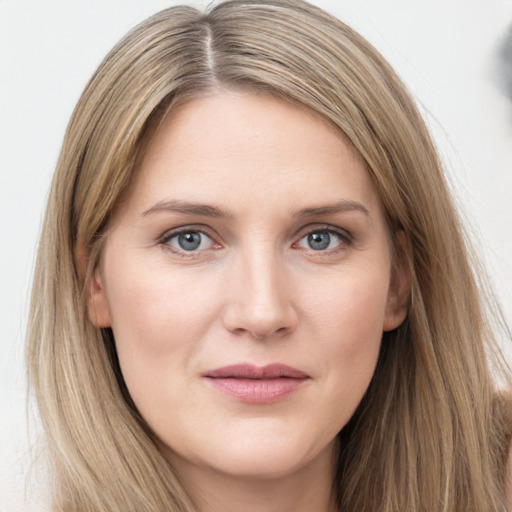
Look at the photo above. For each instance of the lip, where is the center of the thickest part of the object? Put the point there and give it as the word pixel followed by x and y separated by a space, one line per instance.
pixel 256 384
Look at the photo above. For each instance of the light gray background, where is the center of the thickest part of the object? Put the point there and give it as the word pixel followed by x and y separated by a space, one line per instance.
pixel 445 50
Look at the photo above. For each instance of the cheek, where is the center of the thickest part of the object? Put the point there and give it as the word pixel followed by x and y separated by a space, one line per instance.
pixel 158 320
pixel 351 310
pixel 349 321
pixel 149 302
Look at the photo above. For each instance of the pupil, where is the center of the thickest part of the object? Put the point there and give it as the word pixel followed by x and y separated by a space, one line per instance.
pixel 319 241
pixel 189 241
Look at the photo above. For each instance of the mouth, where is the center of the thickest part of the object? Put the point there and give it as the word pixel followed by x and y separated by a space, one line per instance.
pixel 257 385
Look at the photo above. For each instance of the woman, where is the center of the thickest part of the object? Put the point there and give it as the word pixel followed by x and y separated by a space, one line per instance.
pixel 252 290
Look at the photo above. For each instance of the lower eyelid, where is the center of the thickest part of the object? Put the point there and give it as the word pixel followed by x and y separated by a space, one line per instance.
pixel 165 242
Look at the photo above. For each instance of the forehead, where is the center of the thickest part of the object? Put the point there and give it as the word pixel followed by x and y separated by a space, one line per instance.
pixel 249 149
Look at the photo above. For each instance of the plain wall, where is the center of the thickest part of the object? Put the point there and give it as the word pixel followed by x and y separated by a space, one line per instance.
pixel 445 50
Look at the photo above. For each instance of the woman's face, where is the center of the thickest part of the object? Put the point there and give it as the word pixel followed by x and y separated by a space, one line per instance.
pixel 248 279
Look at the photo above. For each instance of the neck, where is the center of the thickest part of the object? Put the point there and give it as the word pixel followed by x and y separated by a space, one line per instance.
pixel 309 488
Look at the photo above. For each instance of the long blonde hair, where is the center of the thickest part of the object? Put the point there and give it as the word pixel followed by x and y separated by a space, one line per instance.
pixel 431 431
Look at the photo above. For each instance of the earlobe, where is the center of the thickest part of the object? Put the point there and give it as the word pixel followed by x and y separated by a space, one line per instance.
pixel 399 287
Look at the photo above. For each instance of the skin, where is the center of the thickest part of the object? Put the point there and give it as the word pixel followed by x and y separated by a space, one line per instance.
pixel 255 291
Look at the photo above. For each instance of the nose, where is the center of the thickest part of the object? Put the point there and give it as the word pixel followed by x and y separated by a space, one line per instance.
pixel 259 297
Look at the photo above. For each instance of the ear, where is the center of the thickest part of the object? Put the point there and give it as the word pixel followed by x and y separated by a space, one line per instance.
pixel 399 286
pixel 97 304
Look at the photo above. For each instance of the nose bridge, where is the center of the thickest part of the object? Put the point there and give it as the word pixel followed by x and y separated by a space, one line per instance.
pixel 261 268
pixel 260 302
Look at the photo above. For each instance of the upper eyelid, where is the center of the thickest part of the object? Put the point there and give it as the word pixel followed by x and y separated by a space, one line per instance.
pixel 324 227
pixel 170 233
pixel 164 242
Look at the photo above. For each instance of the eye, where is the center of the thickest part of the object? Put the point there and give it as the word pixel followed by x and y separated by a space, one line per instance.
pixel 188 240
pixel 326 239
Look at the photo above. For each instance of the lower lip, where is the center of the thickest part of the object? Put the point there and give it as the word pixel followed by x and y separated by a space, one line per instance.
pixel 257 391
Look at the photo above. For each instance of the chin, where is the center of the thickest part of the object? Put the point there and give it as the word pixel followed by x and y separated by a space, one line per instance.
pixel 261 464
pixel 262 456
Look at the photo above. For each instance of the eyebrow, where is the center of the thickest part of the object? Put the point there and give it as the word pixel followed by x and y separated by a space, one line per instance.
pixel 339 207
pixel 187 208
pixel 205 210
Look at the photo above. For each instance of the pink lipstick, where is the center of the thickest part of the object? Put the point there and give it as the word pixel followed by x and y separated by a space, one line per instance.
pixel 254 384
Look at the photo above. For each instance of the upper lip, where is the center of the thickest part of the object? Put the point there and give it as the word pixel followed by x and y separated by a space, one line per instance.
pixel 250 371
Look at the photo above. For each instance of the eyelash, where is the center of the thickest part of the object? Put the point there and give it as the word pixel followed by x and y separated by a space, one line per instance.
pixel 346 240
pixel 169 235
